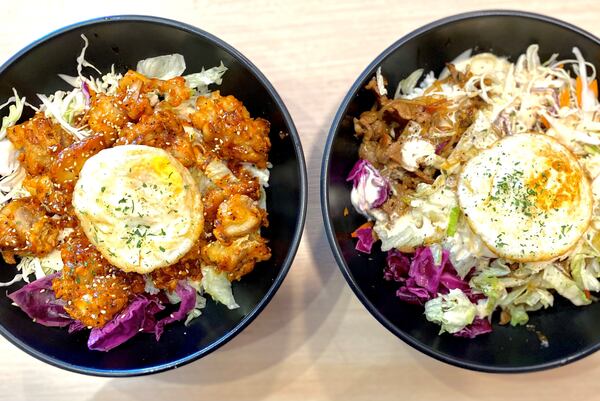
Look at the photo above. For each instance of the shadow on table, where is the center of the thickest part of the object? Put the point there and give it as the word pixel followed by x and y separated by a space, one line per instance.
pixel 548 384
pixel 310 292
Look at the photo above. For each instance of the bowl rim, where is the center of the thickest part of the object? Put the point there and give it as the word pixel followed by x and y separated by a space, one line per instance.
pixel 300 219
pixel 324 195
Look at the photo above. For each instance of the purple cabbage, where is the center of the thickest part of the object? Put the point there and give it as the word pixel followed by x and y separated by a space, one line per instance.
pixel 440 146
pixel 138 316
pixel 38 301
pixel 85 89
pixel 397 267
pixel 370 189
pixel 478 327
pixel 421 279
pixel 412 293
pixel 365 239
pixel 187 294
pixel 424 271
pixel 76 326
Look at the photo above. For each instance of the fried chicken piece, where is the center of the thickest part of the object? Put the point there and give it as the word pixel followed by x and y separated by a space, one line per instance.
pixel 39 141
pixel 175 90
pixel 241 183
pixel 162 130
pixel 25 229
pixel 65 169
pixel 93 289
pixel 106 116
pixel 228 130
pixel 56 200
pixel 134 87
pixel 237 216
pixel 54 190
pixel 231 210
pixel 188 267
pixel 237 258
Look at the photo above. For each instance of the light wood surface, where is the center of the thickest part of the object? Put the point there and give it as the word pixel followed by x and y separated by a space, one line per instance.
pixel 314 341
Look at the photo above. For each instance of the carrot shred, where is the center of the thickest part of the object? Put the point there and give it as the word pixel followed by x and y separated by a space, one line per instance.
pixel 588 295
pixel 593 86
pixel 545 122
pixel 565 98
pixel 578 88
pixel 368 224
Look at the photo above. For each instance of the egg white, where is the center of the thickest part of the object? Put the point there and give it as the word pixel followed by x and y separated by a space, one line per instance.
pixel 527 197
pixel 139 206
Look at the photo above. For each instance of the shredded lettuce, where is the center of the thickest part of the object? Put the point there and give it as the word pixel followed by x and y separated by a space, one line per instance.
pixel 467 250
pixel 40 266
pixel 408 84
pixel 585 273
pixel 453 221
pixel 380 83
pixel 62 107
pixel 14 112
pixel 588 100
pixel 9 162
pixel 262 174
pixel 81 61
pixel 201 80
pixel 556 279
pixel 149 286
pixel 197 311
pixel 18 277
pixel 217 170
pixel 522 288
pixel 216 284
pixel 453 311
pixel 11 186
pixel 518 315
pixel 162 67
pixel 425 221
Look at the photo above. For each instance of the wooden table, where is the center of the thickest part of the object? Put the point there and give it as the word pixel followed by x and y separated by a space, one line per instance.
pixel 314 341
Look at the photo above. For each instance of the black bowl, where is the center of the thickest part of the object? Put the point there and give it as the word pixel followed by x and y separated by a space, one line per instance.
pixel 122 41
pixel 572 332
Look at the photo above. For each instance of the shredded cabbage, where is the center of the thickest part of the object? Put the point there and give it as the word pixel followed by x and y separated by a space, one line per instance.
pixel 197 311
pixel 556 279
pixel 201 80
pixel 453 311
pixel 426 218
pixel 216 284
pixel 40 266
pixel 408 84
pixel 14 112
pixel 453 221
pixel 380 82
pixel 467 250
pixel 162 67
pixel 217 170
pixel 62 107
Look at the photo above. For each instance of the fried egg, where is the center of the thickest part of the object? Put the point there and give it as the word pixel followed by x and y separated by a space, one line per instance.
pixel 527 197
pixel 139 206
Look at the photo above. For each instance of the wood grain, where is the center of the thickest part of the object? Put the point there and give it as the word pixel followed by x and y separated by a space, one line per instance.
pixel 314 341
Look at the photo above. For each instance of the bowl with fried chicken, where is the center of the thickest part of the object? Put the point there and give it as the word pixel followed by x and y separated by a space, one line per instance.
pixel 153 195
